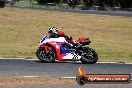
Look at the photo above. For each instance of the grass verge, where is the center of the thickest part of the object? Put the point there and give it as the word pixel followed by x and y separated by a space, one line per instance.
pixel 21 30
pixel 17 81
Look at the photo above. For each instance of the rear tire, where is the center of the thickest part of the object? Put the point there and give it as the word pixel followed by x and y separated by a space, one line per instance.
pixel 90 57
pixel 46 57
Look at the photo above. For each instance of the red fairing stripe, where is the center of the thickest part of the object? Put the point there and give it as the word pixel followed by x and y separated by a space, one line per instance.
pixel 57 47
pixel 82 39
pixel 46 48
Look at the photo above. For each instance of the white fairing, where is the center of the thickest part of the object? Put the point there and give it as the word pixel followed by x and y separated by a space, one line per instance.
pixel 72 56
pixel 60 39
pixel 68 56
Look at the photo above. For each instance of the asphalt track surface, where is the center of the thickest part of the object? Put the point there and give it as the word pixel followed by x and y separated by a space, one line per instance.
pixel 112 13
pixel 19 67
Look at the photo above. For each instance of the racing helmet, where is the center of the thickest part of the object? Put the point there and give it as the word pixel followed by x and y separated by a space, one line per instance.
pixel 53 30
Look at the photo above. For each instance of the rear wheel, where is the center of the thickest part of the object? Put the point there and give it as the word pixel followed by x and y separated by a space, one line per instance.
pixel 47 57
pixel 89 56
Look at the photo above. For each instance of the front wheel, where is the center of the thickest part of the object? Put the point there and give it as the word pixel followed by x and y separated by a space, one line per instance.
pixel 47 57
pixel 89 56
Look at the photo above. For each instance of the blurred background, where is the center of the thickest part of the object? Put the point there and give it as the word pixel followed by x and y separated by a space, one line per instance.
pixel 103 5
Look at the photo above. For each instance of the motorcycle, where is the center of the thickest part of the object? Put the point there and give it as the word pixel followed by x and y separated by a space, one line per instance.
pixel 52 49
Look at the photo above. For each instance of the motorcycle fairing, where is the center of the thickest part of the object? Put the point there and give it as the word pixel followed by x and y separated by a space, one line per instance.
pixel 43 39
pixel 54 40
pixel 82 39
pixel 61 52
pixel 64 54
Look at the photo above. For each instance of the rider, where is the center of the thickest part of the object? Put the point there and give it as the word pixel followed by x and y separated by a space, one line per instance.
pixel 54 33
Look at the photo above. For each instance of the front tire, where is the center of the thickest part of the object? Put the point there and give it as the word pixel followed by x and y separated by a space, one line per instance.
pixel 48 57
pixel 89 56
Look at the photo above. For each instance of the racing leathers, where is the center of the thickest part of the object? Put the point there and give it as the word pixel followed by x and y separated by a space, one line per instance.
pixel 69 40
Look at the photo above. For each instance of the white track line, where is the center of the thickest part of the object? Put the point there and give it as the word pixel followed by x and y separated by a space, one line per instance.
pixel 29 76
pixel 68 77
pixel 113 63
pixel 18 58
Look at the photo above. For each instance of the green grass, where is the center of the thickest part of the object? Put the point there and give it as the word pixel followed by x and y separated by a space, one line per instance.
pixel 23 4
pixel 21 30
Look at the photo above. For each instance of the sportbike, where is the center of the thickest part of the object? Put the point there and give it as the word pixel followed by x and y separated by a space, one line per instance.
pixel 52 49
